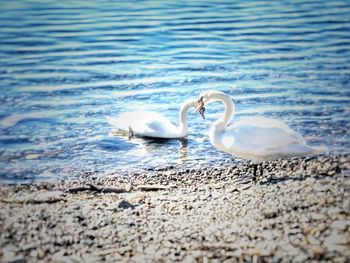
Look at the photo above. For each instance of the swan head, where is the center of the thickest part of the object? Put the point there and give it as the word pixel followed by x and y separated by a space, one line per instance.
pixel 200 107
pixel 204 98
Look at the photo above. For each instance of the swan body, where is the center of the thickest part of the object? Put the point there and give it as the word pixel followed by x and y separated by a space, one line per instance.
pixel 254 138
pixel 153 124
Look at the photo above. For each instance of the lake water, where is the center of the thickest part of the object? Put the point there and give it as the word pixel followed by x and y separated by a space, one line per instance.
pixel 66 65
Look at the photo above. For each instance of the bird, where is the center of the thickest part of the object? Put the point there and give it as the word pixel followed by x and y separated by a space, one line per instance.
pixel 152 124
pixel 257 138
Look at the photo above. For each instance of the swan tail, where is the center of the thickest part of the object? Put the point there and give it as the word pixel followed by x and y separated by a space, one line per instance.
pixel 319 149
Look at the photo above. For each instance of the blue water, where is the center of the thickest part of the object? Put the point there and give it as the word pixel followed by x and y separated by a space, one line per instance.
pixel 65 65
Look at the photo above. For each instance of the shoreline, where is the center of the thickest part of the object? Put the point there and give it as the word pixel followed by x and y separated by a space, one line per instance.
pixel 298 211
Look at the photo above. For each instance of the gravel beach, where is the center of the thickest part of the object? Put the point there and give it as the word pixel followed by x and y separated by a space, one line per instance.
pixel 298 211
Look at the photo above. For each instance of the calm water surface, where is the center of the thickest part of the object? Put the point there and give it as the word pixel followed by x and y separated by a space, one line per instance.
pixel 66 65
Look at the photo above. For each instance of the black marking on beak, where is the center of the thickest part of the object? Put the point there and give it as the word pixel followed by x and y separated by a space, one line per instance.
pixel 201 112
pixel 200 107
pixel 200 104
pixel 131 133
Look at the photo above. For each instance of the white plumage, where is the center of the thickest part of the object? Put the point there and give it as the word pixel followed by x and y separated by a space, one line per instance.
pixel 153 124
pixel 254 138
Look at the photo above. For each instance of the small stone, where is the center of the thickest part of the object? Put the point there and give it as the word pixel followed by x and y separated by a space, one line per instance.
pixel 301 257
pixel 18 259
pixel 317 216
pixel 310 180
pixel 317 251
pixel 32 156
pixel 59 258
pixel 33 253
pixel 50 196
pixel 291 250
pixel 8 253
pixel 270 213
pixel 335 241
pixel 268 235
pixel 340 224
pixel 197 254
pixel 246 187
pixel 151 187
pixel 189 259
pixel 125 204
pixel 331 172
pixel 136 198
pixel 89 258
pixel 40 253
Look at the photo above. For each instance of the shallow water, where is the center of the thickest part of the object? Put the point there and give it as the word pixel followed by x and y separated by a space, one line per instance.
pixel 66 65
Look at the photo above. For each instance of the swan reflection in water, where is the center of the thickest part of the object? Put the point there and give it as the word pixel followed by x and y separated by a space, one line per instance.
pixel 143 146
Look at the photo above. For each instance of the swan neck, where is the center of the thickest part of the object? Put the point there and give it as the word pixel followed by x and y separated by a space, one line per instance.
pixel 229 110
pixel 183 116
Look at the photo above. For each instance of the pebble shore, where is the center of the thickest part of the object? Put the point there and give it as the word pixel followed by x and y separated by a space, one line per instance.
pixel 298 211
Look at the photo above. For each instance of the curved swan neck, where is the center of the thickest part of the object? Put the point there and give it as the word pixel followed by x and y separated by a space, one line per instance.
pixel 183 116
pixel 229 109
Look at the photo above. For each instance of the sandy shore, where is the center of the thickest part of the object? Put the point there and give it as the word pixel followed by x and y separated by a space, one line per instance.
pixel 298 211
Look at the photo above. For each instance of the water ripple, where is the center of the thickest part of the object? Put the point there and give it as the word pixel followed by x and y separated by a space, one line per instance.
pixel 66 65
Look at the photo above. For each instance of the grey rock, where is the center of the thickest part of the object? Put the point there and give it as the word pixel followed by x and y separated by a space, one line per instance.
pixel 341 224
pixel 125 204
pixel 268 234
pixel 335 242
pixel 18 259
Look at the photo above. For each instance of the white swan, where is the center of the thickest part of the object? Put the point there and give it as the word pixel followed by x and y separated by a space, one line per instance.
pixel 152 124
pixel 254 138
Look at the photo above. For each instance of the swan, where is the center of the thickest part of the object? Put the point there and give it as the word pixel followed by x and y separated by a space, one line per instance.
pixel 254 138
pixel 153 124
